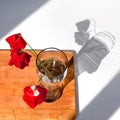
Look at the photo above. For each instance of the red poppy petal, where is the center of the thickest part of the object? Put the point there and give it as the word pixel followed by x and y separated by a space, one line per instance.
pixel 16 41
pixel 32 100
pixel 20 60
pixel 19 43
pixel 11 40
pixel 24 59
pixel 28 97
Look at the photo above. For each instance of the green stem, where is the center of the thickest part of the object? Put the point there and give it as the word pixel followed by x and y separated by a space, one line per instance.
pixel 33 51
pixel 40 79
pixel 38 83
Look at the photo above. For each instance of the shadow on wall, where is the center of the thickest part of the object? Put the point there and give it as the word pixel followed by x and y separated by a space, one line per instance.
pixel 14 11
pixel 95 46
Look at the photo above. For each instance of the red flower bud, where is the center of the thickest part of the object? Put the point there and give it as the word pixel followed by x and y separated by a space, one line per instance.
pixel 34 95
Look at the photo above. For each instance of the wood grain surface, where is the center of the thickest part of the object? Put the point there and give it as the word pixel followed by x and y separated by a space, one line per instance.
pixel 12 82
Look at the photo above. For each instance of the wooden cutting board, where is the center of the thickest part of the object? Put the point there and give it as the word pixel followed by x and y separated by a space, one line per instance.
pixel 12 82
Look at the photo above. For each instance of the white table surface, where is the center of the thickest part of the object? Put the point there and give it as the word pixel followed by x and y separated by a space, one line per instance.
pixel 46 23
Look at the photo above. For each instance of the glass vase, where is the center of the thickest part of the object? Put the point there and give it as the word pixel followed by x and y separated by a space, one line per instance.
pixel 52 64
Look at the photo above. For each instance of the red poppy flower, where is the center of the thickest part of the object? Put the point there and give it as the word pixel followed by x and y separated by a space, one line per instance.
pixel 34 96
pixel 19 59
pixel 16 41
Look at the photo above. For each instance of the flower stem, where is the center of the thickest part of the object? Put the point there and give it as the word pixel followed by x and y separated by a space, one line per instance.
pixel 33 51
pixel 38 83
pixel 40 79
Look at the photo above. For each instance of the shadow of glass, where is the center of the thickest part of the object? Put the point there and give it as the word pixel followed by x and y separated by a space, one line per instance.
pixel 104 105
pixel 91 55
pixel 93 49
pixel 13 12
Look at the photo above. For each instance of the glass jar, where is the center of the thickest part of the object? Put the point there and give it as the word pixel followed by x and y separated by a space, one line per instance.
pixel 52 64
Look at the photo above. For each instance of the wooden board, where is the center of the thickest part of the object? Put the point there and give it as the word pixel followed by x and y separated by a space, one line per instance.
pixel 12 82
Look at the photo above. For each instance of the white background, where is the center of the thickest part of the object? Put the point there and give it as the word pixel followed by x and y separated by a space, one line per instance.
pixel 46 23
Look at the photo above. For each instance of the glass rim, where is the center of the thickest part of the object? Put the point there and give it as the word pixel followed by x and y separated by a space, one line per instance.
pixel 108 42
